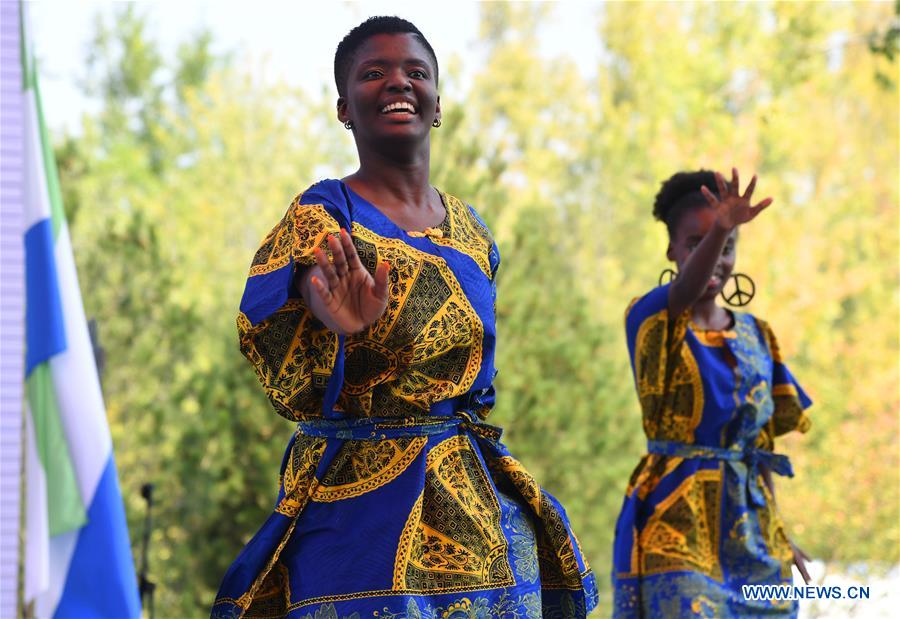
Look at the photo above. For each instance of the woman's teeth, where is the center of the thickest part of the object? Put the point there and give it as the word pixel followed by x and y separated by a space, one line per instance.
pixel 398 107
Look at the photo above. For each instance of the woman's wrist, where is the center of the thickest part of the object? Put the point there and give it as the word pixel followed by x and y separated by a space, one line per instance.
pixel 721 228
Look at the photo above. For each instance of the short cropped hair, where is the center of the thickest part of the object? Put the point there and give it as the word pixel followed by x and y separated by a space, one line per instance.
pixel 347 48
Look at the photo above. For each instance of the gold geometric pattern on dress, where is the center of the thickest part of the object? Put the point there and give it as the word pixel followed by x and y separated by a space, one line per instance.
pixel 522 480
pixel 303 228
pixel 273 597
pixel 786 389
pixel 426 347
pixel 453 538
pixel 556 552
pixel 771 342
pixel 299 473
pixel 773 533
pixel 788 415
pixel 670 392
pixel 760 395
pixel 683 531
pixel 651 470
pixel 466 234
pixel 293 354
pixel 362 466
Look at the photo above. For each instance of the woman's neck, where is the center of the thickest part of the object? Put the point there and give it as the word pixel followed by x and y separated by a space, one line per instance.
pixel 707 315
pixel 394 182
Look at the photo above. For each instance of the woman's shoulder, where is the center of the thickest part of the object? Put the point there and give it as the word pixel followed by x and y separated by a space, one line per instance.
pixel 751 320
pixel 323 199
pixel 469 233
pixel 464 209
pixel 650 303
pixel 763 327
pixel 327 191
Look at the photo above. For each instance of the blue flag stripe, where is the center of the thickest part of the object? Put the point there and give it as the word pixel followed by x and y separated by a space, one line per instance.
pixel 101 581
pixel 45 332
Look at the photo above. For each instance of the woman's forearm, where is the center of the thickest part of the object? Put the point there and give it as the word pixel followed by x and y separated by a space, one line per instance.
pixel 694 276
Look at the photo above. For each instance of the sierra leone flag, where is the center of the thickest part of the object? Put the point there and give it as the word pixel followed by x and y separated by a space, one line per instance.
pixel 78 559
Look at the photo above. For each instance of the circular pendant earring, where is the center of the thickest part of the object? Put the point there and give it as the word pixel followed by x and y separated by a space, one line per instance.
pixel 741 292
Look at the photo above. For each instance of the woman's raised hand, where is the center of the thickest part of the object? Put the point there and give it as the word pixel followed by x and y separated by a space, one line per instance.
pixel 732 208
pixel 350 297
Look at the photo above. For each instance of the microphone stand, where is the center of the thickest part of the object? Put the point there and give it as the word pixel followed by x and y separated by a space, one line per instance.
pixel 146 587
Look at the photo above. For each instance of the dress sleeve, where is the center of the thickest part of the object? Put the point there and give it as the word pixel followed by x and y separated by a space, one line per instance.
pixel 655 341
pixel 292 352
pixel 789 398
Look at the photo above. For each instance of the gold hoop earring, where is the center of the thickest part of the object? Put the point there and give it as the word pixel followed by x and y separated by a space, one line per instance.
pixel 436 122
pixel 667 276
pixel 348 125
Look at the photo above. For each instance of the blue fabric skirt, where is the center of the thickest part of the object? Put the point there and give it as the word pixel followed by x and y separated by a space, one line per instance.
pixel 408 518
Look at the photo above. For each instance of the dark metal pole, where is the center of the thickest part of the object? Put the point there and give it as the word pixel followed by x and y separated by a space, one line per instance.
pixel 99 352
pixel 146 586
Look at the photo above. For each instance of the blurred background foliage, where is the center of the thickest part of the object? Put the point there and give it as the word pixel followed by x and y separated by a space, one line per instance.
pixel 187 162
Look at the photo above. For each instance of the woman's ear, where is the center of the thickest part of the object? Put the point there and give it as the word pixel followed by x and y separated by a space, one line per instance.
pixel 670 252
pixel 342 110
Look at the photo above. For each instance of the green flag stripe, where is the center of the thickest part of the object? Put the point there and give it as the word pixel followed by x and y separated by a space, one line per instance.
pixel 65 508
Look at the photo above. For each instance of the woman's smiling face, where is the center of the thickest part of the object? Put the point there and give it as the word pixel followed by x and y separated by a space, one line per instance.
pixel 391 90
pixel 692 226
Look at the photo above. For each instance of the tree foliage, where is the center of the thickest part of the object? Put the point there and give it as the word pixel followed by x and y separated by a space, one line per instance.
pixel 189 161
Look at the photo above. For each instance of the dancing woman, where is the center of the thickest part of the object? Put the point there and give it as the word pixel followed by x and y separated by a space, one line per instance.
pixel 699 519
pixel 369 318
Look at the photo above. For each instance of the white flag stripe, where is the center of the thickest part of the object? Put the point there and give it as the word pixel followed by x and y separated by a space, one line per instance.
pixel 77 386
pixel 62 548
pixel 37 533
pixel 37 530
pixel 37 196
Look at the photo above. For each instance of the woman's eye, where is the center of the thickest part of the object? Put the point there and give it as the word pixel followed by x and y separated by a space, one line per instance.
pixel 418 74
pixel 373 74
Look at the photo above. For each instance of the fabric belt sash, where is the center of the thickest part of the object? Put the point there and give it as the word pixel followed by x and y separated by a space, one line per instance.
pixel 752 457
pixel 386 428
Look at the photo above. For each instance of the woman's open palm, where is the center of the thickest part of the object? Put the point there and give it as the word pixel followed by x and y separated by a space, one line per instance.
pixel 351 296
pixel 732 208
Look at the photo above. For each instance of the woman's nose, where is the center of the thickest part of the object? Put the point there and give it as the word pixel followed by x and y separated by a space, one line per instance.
pixel 399 80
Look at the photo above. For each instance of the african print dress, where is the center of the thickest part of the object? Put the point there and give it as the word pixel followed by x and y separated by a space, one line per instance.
pixel 396 499
pixel 697 521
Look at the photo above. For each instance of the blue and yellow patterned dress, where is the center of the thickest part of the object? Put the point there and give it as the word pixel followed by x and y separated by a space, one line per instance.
pixel 697 521
pixel 396 499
